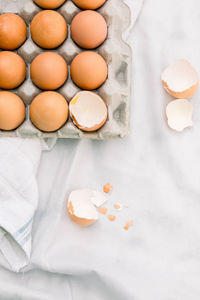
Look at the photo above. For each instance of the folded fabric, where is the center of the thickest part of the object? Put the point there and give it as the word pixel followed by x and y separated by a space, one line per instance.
pixel 19 159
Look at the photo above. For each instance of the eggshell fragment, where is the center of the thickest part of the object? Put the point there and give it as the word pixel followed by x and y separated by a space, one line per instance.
pixel 89 29
pixel 103 210
pixel 118 206
pixel 80 207
pixel 128 225
pixel 12 110
pixel 180 79
pixel 13 31
pixel 98 198
pixel 89 4
pixel 179 114
pixel 111 218
pixel 107 188
pixel 48 29
pixel 88 111
pixel 49 4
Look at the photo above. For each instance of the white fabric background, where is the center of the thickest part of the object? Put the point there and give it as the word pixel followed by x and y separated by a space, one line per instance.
pixel 155 170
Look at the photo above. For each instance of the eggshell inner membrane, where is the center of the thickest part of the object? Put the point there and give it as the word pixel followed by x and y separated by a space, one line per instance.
pixel 81 205
pixel 180 76
pixel 98 198
pixel 88 110
pixel 179 114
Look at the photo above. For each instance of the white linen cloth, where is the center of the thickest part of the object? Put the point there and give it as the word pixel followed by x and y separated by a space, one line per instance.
pixel 19 160
pixel 154 170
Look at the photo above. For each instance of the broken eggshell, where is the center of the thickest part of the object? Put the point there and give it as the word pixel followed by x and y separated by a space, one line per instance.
pixel 88 111
pixel 81 206
pixel 180 79
pixel 179 114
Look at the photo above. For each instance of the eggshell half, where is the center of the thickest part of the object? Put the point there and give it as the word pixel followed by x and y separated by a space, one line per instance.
pixel 80 207
pixel 12 70
pixel 49 4
pixel 179 114
pixel 89 70
pixel 49 111
pixel 88 111
pixel 48 29
pixel 180 79
pixel 49 71
pixel 89 29
pixel 13 31
pixel 89 4
pixel 12 111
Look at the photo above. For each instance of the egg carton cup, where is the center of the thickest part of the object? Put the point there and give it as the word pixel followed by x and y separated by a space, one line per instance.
pixel 116 91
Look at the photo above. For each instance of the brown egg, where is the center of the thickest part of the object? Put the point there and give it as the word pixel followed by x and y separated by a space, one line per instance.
pixel 49 71
pixel 89 4
pixel 89 70
pixel 12 111
pixel 49 111
pixel 49 4
pixel 48 29
pixel 13 31
pixel 89 29
pixel 12 70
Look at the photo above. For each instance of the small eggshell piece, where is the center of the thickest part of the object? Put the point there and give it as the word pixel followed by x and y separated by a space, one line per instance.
pixel 49 71
pixel 48 29
pixel 180 79
pixel 89 4
pixel 111 218
pixel 179 114
pixel 128 225
pixel 89 70
pixel 88 111
pixel 49 111
pixel 118 206
pixel 89 29
pixel 103 210
pixel 13 31
pixel 12 111
pixel 107 188
pixel 80 207
pixel 12 70
pixel 49 4
pixel 98 198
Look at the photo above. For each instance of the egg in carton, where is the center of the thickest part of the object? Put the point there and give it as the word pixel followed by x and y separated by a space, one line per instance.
pixel 116 91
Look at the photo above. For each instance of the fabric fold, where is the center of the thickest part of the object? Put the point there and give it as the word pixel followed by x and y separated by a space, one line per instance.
pixel 19 160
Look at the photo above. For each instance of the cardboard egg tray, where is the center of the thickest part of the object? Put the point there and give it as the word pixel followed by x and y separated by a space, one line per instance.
pixel 116 91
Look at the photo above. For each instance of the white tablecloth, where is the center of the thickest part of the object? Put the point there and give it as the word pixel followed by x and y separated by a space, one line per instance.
pixel 155 170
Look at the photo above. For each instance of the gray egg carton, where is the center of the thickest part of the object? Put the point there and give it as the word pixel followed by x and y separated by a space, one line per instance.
pixel 116 91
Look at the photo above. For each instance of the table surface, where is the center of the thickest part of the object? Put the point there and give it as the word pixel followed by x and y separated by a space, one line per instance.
pixel 155 171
